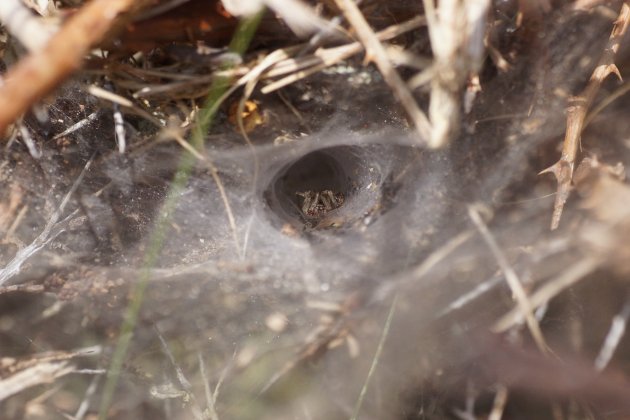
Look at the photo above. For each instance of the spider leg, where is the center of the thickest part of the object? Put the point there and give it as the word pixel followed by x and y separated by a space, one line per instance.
pixel 313 205
pixel 328 200
pixel 308 200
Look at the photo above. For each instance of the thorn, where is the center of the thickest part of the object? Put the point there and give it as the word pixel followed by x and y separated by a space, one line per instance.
pixel 563 172
pixel 553 169
pixel 612 68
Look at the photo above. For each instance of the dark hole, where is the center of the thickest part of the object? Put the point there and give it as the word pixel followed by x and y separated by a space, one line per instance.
pixel 350 171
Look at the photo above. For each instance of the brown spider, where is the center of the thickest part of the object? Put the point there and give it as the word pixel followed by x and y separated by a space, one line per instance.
pixel 317 203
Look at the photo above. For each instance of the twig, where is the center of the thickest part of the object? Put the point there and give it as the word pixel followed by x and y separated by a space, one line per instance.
pixel 167 130
pixel 456 31
pixel 41 373
pixel 24 288
pixel 119 130
pixel 325 57
pixel 181 378
pixel 500 400
pixel 53 228
pixel 468 413
pixel 548 291
pixel 108 95
pixel 222 376
pixel 468 297
pixel 40 368
pixel 30 30
pixel 576 113
pixel 25 134
pixel 74 127
pixel 210 400
pixel 89 392
pixel 377 53
pixel 615 333
pixel 525 306
pixel 39 73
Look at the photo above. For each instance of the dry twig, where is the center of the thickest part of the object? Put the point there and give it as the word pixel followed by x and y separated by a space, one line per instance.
pixel 38 369
pixel 525 306
pixel 548 291
pixel 615 333
pixel 41 373
pixel 324 57
pixel 456 31
pixel 576 114
pixel 36 75
pixel 500 401
pixel 54 227
pixel 210 398
pixel 185 384
pixel 30 30
pixel 377 53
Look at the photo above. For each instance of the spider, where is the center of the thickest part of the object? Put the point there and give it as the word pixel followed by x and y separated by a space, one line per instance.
pixel 318 203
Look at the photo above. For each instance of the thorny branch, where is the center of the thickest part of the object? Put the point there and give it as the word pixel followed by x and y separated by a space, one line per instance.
pixel 576 114
pixel 36 75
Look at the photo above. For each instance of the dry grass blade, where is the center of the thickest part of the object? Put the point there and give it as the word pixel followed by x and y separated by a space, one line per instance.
pixel 53 228
pixel 325 57
pixel 38 369
pixel 500 401
pixel 181 377
pixel 37 74
pixel 85 403
pixel 377 53
pixel 548 291
pixel 210 398
pixel 615 333
pixel 576 114
pixel 41 373
pixel 525 306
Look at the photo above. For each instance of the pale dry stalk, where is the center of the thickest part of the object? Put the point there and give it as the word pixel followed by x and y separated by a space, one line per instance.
pixel 42 373
pixel 524 304
pixel 456 31
pixel 33 32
